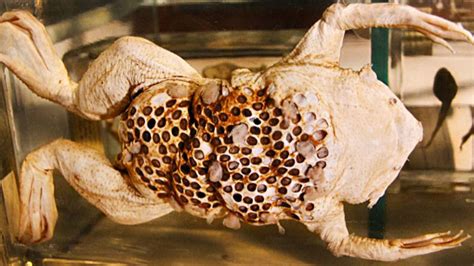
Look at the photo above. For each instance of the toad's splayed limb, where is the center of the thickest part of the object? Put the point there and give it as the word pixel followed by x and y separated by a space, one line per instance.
pixel 129 65
pixel 333 230
pixel 323 41
pixel 91 175
pixel 284 143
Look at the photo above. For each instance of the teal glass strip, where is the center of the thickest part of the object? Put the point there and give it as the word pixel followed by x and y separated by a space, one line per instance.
pixel 379 59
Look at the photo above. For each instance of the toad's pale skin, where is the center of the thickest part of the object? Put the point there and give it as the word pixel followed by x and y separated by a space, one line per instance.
pixel 293 141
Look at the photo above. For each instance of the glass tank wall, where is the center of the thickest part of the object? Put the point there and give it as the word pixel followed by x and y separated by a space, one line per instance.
pixel 434 192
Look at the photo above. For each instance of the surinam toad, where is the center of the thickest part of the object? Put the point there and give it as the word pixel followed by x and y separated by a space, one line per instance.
pixel 293 141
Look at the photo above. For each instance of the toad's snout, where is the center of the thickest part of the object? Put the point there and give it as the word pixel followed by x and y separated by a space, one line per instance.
pixel 409 129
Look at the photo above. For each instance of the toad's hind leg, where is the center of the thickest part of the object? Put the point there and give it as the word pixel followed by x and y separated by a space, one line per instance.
pixel 332 229
pixel 91 175
pixel 104 91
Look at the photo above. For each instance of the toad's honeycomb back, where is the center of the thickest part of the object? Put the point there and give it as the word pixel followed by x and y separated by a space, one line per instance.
pixel 434 192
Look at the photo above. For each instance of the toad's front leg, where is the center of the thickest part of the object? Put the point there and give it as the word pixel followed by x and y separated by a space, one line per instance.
pixel 90 174
pixel 333 230
pixel 323 42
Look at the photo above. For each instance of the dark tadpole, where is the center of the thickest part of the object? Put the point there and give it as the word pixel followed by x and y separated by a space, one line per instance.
pixel 445 89
pixel 467 136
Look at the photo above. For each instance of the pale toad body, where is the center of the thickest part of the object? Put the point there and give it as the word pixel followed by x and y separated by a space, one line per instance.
pixel 293 141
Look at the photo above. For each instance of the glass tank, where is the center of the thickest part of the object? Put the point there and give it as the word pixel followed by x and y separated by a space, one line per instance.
pixel 433 193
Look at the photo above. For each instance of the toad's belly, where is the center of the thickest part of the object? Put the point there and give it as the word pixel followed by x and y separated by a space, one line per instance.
pixel 240 153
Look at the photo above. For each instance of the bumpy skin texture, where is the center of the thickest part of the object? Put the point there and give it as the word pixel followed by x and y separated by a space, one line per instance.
pixel 283 143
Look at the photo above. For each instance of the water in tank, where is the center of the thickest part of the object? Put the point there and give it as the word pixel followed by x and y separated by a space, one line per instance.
pixel 432 193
